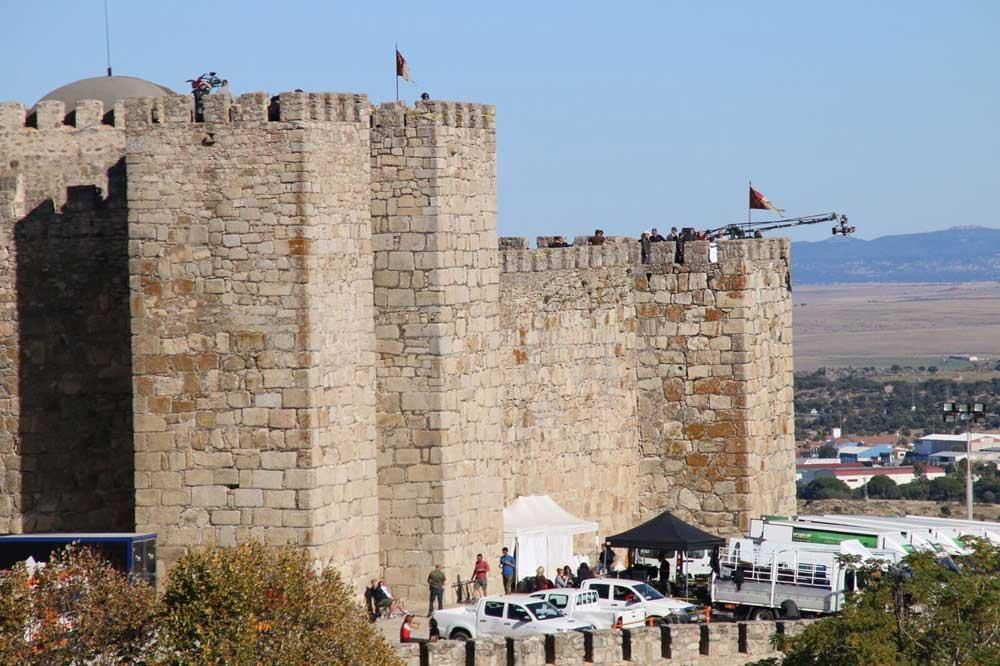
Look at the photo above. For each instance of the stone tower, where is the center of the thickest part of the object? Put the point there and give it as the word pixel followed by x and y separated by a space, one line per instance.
pixel 252 324
pixel 437 287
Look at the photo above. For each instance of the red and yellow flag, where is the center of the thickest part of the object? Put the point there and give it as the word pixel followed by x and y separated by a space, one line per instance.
pixel 759 201
pixel 402 69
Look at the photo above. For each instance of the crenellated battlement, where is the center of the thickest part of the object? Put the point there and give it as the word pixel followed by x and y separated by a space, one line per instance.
pixel 53 115
pixel 624 251
pixel 431 113
pixel 566 258
pixel 255 107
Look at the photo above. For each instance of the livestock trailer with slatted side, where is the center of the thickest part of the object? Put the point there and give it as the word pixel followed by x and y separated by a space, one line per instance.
pixel 765 581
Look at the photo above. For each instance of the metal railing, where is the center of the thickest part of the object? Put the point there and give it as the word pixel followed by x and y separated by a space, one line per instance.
pixel 784 570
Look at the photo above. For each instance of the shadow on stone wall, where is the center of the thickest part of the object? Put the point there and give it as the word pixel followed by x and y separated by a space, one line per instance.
pixel 75 360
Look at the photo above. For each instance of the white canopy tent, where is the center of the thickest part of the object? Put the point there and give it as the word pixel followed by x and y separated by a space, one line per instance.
pixel 540 533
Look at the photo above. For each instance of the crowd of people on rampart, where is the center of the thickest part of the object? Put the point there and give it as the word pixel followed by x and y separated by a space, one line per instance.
pixel 647 238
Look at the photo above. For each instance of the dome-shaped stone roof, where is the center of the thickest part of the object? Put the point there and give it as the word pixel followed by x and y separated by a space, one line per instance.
pixel 108 89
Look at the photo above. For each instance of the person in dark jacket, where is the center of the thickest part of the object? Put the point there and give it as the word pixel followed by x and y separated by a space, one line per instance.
pixel 644 247
pixel 370 600
pixel 608 558
pixel 583 573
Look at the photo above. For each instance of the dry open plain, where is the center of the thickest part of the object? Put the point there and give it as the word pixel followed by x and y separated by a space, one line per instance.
pixel 885 324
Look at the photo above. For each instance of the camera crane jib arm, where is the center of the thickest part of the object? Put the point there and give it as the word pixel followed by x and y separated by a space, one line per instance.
pixel 750 229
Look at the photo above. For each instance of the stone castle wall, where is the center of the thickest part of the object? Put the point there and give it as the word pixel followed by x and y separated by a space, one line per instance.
pixel 663 385
pixel 253 338
pixel 569 327
pixel 65 361
pixel 436 295
pixel 714 372
pixel 718 644
pixel 294 321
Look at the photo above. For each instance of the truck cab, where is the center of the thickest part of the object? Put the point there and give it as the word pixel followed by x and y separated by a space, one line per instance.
pixel 622 593
pixel 508 616
pixel 584 605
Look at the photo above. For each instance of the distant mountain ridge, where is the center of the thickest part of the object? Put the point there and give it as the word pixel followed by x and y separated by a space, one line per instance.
pixel 959 254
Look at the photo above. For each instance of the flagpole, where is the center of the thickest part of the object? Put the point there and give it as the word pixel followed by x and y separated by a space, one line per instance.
pixel 395 65
pixel 750 188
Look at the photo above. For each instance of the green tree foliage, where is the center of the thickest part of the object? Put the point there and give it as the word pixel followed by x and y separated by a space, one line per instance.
pixel 946 489
pixel 858 400
pixel 254 604
pixel 918 489
pixel 828 451
pixel 825 487
pixel 920 613
pixel 882 487
pixel 250 605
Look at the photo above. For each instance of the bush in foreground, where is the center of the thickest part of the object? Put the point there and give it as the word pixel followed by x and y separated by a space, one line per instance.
pixel 247 605
pixel 77 609
pixel 254 604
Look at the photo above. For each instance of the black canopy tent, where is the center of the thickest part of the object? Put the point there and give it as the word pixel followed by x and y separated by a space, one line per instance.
pixel 666 532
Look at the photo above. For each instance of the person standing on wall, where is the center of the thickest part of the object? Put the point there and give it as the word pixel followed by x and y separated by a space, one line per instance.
pixel 644 246
pixel 507 564
pixel 655 237
pixel 479 575
pixel 435 583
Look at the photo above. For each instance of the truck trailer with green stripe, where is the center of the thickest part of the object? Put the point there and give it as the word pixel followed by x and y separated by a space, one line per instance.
pixel 808 532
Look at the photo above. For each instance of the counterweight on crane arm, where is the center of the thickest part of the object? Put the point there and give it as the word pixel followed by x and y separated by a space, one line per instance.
pixel 755 229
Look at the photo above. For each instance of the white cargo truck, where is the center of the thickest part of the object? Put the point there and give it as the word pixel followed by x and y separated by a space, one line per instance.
pixel 767 580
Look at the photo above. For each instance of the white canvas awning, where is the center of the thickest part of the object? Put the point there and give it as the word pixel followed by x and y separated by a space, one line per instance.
pixel 540 533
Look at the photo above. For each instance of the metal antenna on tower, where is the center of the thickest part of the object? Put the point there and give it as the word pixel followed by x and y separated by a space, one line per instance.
pixel 107 36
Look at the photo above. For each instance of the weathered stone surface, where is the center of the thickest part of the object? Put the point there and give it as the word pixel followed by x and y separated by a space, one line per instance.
pixel 296 323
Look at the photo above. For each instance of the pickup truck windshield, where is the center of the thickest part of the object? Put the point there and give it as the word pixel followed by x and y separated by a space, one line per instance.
pixel 544 610
pixel 647 592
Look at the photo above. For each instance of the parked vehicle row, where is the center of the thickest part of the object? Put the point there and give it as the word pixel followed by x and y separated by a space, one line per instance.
pixel 601 603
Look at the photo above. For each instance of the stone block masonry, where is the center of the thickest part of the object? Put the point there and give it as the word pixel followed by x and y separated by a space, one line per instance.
pixel 663 385
pixel 294 321
pixel 570 384
pixel 437 288
pixel 721 644
pixel 252 326
pixel 65 361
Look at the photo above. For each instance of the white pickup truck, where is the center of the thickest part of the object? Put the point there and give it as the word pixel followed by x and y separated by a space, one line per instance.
pixel 509 616
pixel 621 593
pixel 585 605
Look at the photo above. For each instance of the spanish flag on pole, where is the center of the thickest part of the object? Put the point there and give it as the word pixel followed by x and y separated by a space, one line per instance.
pixel 760 202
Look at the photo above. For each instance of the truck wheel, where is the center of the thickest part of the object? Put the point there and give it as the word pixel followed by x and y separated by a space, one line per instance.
pixel 460 635
pixel 763 614
pixel 790 610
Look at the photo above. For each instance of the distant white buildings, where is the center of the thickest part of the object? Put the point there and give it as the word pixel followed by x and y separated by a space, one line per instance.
pixel 929 445
pixel 856 476
pixel 952 457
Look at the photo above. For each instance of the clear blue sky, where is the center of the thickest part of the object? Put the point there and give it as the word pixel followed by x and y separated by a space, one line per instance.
pixel 619 115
